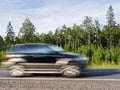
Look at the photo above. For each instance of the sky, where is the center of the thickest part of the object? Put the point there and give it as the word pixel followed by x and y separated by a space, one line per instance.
pixel 47 15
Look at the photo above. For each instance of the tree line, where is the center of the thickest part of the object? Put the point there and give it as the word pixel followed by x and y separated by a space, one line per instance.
pixel 101 43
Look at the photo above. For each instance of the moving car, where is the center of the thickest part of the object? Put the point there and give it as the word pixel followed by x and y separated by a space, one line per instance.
pixel 27 59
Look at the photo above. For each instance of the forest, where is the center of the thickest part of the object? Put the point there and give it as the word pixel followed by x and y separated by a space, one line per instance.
pixel 101 43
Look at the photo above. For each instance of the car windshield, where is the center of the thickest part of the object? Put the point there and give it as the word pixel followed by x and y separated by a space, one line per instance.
pixel 56 48
pixel 35 49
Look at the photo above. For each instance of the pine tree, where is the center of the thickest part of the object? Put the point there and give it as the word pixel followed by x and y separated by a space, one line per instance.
pixel 27 32
pixel 10 36
pixel 110 26
pixel 98 32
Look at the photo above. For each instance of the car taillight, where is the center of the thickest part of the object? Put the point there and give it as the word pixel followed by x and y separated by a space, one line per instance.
pixel 5 57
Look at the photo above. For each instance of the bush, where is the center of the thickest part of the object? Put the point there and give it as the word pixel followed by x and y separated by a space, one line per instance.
pixel 101 56
pixel 1 54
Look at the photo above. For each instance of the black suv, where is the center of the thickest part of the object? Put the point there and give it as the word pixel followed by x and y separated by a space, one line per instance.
pixel 26 59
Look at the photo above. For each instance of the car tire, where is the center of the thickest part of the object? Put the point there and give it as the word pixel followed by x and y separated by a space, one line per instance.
pixel 72 70
pixel 16 71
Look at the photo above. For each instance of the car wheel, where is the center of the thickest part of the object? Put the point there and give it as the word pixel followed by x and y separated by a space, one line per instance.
pixel 16 70
pixel 71 70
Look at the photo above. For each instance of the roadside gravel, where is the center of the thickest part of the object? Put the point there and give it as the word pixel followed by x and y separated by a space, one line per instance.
pixel 58 85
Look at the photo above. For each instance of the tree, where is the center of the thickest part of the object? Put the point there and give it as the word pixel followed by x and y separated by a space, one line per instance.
pixel 116 35
pixel 110 16
pixel 10 36
pixel 27 31
pixel 77 36
pixel 98 33
pixel 1 43
pixel 87 26
pixel 47 38
pixel 57 36
pixel 109 28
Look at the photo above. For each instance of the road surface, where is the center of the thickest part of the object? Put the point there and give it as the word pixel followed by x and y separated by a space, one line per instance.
pixel 108 73
pixel 90 79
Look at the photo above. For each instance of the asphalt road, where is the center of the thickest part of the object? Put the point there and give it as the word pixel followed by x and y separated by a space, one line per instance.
pixel 90 79
pixel 107 73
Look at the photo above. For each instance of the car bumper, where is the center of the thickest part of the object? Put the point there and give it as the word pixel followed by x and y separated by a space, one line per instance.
pixel 7 64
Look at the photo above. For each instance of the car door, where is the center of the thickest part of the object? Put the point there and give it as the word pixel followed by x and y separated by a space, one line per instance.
pixel 44 61
pixel 42 58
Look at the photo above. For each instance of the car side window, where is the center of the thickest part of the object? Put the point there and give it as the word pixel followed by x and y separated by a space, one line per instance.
pixel 44 50
pixel 30 49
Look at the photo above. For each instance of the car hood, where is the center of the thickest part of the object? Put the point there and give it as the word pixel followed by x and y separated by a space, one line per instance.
pixel 72 55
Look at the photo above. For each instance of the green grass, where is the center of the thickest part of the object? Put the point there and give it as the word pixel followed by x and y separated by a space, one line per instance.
pixel 1 66
pixel 104 66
